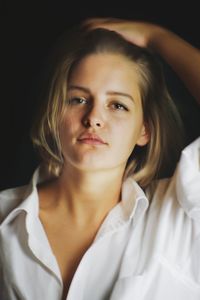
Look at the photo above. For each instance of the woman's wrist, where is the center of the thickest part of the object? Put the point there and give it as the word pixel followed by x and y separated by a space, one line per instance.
pixel 157 37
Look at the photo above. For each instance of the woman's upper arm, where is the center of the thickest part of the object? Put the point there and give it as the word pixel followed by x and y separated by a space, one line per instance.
pixel 187 178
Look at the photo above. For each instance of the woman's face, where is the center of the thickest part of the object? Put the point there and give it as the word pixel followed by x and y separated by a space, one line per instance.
pixel 103 120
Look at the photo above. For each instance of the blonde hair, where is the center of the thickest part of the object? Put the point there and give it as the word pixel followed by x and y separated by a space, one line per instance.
pixel 160 114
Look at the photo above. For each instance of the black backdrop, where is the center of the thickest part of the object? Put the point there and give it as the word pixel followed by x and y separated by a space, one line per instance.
pixel 29 30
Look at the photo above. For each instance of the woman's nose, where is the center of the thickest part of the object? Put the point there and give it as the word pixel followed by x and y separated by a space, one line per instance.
pixel 93 118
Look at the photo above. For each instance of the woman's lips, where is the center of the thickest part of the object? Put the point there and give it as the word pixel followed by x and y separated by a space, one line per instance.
pixel 91 139
pixel 91 142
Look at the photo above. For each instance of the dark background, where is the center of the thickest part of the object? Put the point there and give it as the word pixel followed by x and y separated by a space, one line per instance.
pixel 29 31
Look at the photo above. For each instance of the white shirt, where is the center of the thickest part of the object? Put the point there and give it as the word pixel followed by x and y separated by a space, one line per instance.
pixel 142 251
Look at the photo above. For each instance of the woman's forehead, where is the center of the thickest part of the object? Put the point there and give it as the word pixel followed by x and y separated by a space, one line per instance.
pixel 106 70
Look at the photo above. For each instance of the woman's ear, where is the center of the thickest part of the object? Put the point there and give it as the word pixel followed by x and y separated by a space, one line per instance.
pixel 144 136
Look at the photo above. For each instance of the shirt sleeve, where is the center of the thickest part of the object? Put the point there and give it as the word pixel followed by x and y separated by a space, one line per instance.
pixel 187 177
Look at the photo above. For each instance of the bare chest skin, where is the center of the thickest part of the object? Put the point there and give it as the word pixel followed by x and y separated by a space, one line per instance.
pixel 68 244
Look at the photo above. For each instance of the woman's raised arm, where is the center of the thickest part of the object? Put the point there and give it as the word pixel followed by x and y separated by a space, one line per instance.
pixel 178 53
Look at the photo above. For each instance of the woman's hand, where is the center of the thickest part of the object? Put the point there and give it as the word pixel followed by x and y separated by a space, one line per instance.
pixel 138 32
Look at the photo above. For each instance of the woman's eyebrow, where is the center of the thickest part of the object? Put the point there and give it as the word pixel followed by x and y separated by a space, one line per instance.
pixel 112 93
pixel 120 94
pixel 77 87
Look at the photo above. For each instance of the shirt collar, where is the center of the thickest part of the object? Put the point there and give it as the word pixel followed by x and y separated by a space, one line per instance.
pixel 132 205
pixel 134 200
pixel 28 194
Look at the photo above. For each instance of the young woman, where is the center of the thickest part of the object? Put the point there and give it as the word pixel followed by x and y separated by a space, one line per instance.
pixel 97 221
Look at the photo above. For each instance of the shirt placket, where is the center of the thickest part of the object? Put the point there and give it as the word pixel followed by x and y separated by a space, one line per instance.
pixel 40 248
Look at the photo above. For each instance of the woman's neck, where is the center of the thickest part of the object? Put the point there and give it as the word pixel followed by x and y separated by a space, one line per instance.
pixel 86 197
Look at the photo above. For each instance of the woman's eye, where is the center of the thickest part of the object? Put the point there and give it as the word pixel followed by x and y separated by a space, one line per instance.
pixel 77 100
pixel 119 106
